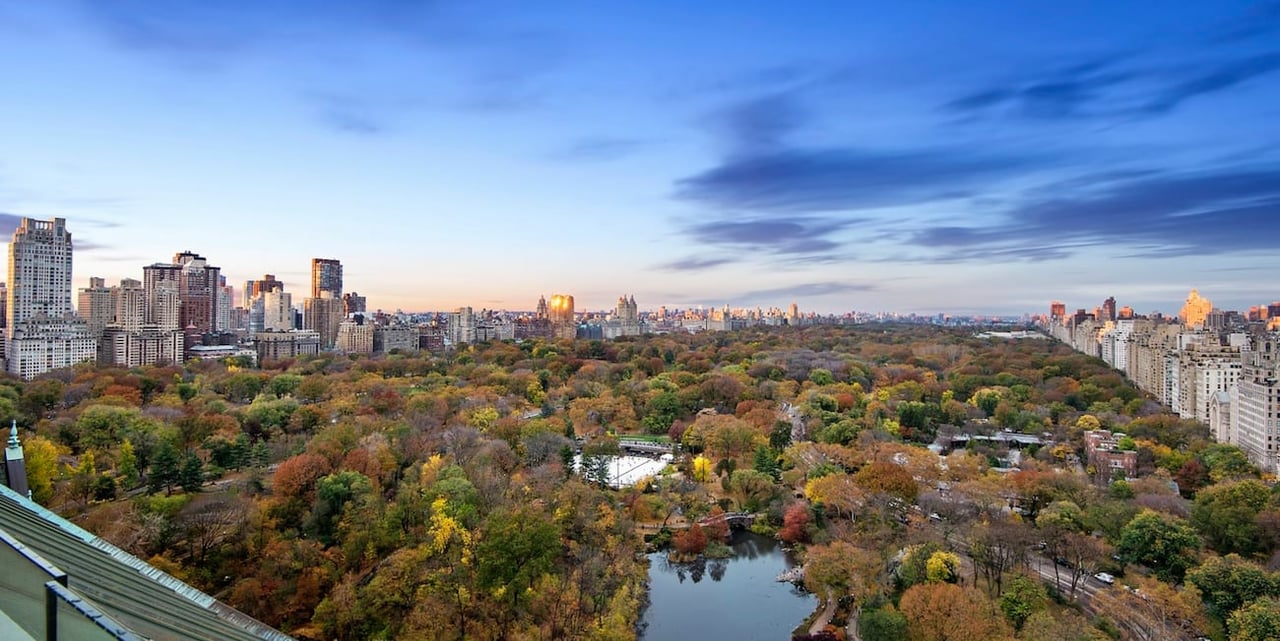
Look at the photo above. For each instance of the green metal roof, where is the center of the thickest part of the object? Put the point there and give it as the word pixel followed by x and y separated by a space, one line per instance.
pixel 151 603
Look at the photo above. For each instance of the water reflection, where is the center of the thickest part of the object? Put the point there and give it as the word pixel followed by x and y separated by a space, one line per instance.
pixel 741 601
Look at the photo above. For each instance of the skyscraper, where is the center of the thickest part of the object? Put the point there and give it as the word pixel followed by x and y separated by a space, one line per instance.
pixel 1196 310
pixel 1108 309
pixel 560 311
pixel 198 285
pixel 42 332
pixel 326 276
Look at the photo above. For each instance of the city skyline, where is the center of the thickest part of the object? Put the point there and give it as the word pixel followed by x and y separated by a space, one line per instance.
pixel 975 159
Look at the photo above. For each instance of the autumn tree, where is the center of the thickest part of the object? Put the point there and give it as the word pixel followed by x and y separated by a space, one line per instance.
pixel 948 612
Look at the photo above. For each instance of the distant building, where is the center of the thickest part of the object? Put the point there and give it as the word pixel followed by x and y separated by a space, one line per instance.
pixel 1196 310
pixel 462 326
pixel 564 322
pixel 286 344
pixel 326 276
pixel 355 336
pixel 94 306
pixel 323 315
pixel 355 303
pixel 42 332
pixel 392 338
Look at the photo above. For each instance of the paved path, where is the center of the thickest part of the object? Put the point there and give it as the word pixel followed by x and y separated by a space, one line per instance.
pixel 824 619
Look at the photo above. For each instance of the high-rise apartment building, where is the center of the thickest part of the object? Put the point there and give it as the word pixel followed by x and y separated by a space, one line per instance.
pixel 355 336
pixel 564 324
pixel 1255 407
pixel 326 276
pixel 94 306
pixel 255 287
pixel 323 315
pixel 198 285
pixel 462 326
pixel 42 332
pixel 355 303
pixel 1196 310
pixel 1108 309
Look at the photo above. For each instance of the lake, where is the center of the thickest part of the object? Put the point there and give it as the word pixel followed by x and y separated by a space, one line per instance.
pixel 736 599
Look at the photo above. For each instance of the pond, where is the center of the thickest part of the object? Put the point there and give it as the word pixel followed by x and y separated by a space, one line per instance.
pixel 737 598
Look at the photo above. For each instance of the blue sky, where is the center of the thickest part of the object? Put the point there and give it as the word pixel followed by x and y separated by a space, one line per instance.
pixel 975 157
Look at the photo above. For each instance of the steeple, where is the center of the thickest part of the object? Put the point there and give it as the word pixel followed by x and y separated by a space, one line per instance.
pixel 15 467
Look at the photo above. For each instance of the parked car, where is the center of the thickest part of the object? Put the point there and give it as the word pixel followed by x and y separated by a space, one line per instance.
pixel 1105 578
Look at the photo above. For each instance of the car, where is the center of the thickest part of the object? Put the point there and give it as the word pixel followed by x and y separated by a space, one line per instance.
pixel 1105 578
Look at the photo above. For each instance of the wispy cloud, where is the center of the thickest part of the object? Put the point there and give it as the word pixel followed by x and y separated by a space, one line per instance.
pixel 807 290
pixel 694 263
pixel 1114 86
pixel 842 179
pixel 599 149
pixel 1152 214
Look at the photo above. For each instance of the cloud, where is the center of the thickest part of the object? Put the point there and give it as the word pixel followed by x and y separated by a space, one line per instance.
pixel 347 114
pixel 817 180
pixel 598 149
pixel 1262 19
pixel 1151 215
pixel 9 223
pixel 693 263
pixel 1114 87
pixel 804 290
pixel 763 122
pixel 794 235
pixel 1219 78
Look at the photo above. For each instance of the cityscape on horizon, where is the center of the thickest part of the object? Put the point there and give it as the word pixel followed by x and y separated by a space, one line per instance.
pixel 185 309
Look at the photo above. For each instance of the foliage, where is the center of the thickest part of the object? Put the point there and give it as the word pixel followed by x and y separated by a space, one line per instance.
pixel 1164 544
pixel 1022 597
pixel 947 612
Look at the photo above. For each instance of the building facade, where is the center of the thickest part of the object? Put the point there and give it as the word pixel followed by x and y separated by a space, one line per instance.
pixel 42 332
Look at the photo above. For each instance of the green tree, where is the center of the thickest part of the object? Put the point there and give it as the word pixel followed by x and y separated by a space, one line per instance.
pixel 127 464
pixel 1022 597
pixel 517 549
pixel 885 623
pixel 191 475
pixel 1258 621
pixel 1227 462
pixel 1229 582
pixel 766 462
pixel 1226 514
pixel 164 469
pixel 1166 545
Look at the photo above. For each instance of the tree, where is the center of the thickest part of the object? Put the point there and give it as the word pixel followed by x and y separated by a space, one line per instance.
pixel 1226 514
pixel 164 469
pixel 795 523
pixel 1230 582
pixel 191 476
pixel 1067 626
pixel 701 469
pixel 885 623
pixel 947 612
pixel 83 477
pixel 1023 597
pixel 840 569
pixel 1154 610
pixel 127 464
pixel 943 567
pixel 517 548
pixel 1166 545
pixel 42 466
pixel 1258 621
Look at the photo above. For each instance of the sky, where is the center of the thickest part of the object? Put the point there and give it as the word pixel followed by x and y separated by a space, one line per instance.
pixel 974 157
